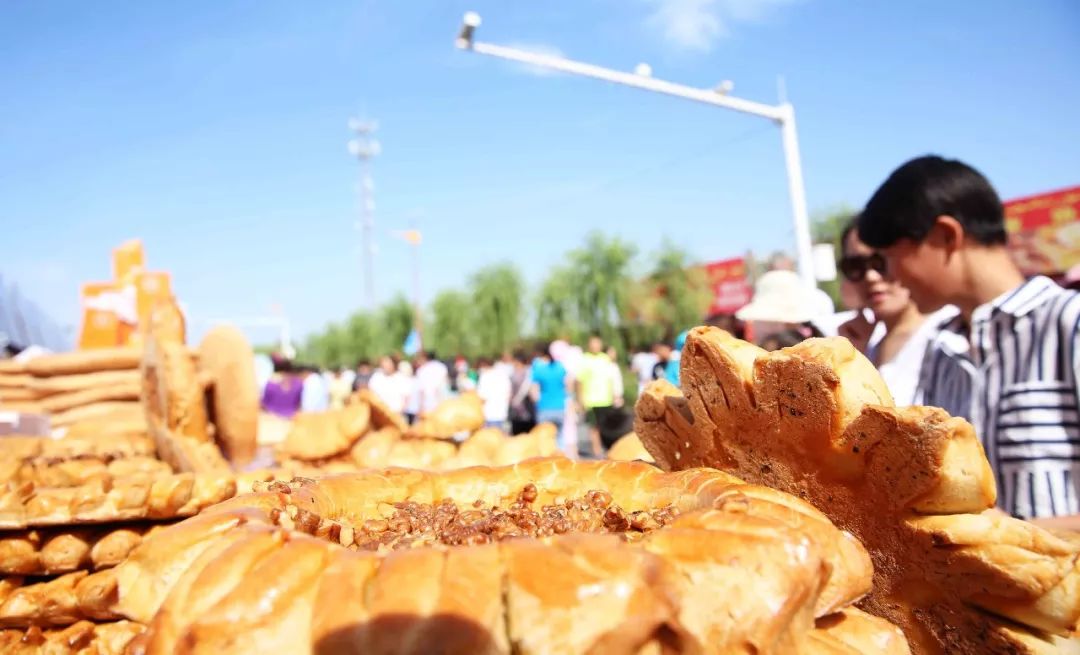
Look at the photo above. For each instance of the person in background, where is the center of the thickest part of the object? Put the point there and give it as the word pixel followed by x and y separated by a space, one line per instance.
pixel 782 339
pixel 781 302
pixel 663 354
pixel 340 388
pixel 464 378
pixel 505 364
pixel 363 375
pixel 407 397
pixel 642 364
pixel 596 396
pixel 282 393
pixel 432 382
pixel 1008 360
pixel 616 373
pixel 494 388
pixel 894 333
pixel 315 396
pixel 549 387
pixel 671 369
pixel 383 384
pixel 522 406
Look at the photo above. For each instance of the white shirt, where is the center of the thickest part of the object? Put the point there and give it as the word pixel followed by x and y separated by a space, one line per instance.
pixel 1014 374
pixel 493 387
pixel 901 373
pixel 432 385
pixel 394 390
pixel 643 364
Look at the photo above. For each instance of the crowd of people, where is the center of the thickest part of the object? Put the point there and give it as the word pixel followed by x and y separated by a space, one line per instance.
pixel 932 298
pixel 578 390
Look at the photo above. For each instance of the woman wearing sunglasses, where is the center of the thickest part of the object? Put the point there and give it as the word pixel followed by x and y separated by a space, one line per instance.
pixel 888 328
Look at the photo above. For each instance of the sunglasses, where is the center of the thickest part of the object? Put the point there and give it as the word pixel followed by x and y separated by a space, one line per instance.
pixel 855 267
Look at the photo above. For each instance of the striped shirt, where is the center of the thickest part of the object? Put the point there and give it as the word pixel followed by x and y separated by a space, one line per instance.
pixel 1013 374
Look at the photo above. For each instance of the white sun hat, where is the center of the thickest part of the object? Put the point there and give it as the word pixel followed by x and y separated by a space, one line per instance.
pixel 781 297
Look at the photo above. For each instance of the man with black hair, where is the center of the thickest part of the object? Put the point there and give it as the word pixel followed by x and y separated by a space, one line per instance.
pixel 1008 361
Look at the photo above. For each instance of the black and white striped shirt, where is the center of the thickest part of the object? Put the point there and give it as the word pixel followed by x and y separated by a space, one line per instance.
pixel 1013 374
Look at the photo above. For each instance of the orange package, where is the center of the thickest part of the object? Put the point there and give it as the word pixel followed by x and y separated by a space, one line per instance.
pixel 152 288
pixel 128 260
pixel 100 325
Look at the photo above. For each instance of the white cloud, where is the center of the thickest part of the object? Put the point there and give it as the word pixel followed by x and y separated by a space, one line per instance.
pixel 539 49
pixel 696 25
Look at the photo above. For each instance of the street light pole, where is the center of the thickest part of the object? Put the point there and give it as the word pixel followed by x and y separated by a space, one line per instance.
pixel 782 114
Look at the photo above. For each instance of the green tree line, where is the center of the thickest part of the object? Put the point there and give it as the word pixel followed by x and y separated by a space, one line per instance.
pixel 603 287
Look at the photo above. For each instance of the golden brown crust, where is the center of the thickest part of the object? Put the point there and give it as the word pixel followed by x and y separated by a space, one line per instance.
pixel 62 402
pixel 171 393
pixel 815 421
pixel 54 551
pixel 82 638
pixel 62 601
pixel 226 356
pixel 854 632
pixel 84 361
pixel 629 448
pixel 319 435
pixel 111 409
pixel 67 471
pixel 460 415
pixel 559 594
pixel 79 382
pixel 382 417
pixel 124 499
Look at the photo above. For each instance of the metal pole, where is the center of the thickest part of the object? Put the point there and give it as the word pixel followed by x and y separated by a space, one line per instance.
pixel 803 243
pixel 367 227
pixel 782 114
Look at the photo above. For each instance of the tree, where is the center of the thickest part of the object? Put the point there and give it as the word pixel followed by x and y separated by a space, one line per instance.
pixel 363 339
pixel 556 317
pixel 827 227
pixel 602 284
pixel 450 331
pixel 396 319
pixel 497 292
pixel 681 290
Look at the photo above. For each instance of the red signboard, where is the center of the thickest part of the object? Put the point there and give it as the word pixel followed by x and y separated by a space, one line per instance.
pixel 731 291
pixel 1044 231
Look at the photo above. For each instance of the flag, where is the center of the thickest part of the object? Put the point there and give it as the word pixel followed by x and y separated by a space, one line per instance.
pixel 412 343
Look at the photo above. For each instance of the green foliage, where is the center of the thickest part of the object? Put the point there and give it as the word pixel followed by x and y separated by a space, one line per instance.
pixel 496 308
pixel 556 313
pixel 450 331
pixel 602 285
pixel 597 289
pixel 827 227
pixel 396 319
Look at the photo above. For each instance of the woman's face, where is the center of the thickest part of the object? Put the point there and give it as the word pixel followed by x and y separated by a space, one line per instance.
pixel 387 365
pixel 876 290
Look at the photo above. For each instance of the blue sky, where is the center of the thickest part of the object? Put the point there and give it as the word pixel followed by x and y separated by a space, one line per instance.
pixel 216 130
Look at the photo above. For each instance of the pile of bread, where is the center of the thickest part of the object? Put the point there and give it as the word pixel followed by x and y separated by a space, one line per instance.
pixel 86 392
pixel 792 509
pixel 913 484
pixel 366 434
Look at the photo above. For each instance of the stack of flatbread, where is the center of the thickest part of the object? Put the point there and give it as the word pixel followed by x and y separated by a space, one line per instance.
pixel 91 390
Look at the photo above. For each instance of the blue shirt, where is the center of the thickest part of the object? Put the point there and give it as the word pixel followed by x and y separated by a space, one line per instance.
pixel 551 378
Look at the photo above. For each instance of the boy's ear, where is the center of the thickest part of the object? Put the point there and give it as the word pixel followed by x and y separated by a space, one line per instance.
pixel 948 233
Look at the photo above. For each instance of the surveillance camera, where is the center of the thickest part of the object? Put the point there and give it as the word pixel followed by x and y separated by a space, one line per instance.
pixel 725 87
pixel 468 26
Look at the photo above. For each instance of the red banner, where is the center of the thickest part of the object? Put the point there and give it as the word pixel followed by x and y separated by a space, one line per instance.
pixel 731 290
pixel 1044 231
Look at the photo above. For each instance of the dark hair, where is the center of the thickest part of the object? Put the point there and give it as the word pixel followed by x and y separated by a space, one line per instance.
pixel 852 225
pixel 783 339
pixel 483 362
pixel 520 356
pixel 542 349
pixel 907 205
